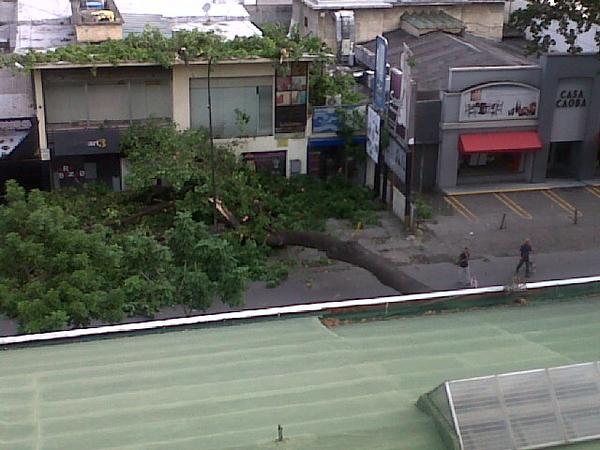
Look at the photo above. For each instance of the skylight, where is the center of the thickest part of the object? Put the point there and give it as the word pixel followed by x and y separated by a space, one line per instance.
pixel 523 410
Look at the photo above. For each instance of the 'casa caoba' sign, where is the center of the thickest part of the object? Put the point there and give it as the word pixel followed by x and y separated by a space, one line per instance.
pixel 571 98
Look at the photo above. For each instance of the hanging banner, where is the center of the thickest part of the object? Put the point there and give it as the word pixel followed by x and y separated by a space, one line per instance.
pixel 380 73
pixel 373 124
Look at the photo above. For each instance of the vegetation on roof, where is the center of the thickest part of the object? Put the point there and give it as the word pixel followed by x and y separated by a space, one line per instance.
pixel 151 46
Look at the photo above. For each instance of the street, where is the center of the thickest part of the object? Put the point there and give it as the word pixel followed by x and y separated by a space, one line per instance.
pixel 562 249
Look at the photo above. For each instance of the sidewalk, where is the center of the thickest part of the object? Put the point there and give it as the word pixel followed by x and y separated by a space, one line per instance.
pixel 499 270
pixel 341 281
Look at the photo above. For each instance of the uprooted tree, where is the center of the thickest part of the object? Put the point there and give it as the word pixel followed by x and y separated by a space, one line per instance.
pixel 261 209
pixel 70 257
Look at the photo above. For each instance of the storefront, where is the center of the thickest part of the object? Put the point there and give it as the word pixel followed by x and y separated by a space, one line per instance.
pixel 84 156
pixel 328 153
pixel 269 163
pixel 506 155
pixel 570 117
pixel 489 128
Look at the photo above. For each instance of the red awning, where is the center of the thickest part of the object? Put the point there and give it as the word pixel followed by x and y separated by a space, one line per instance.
pixel 512 141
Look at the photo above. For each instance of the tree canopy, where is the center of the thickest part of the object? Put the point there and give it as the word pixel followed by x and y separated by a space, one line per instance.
pixel 70 257
pixel 570 18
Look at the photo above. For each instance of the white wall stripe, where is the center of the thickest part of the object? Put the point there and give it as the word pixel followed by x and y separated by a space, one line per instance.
pixel 278 311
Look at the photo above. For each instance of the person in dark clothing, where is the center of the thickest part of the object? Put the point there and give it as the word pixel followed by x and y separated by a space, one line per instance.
pixel 525 250
pixel 464 273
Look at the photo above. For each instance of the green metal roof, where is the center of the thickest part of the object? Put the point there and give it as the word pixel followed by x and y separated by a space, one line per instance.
pixel 350 388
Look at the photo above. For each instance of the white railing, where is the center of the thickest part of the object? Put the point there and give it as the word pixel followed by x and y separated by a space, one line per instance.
pixel 281 310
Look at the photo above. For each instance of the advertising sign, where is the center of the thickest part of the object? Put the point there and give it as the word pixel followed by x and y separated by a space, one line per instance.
pixel 499 101
pixel 326 120
pixel 401 85
pixel 373 124
pixel 380 73
pixel 395 158
pixel 85 142
pixel 570 109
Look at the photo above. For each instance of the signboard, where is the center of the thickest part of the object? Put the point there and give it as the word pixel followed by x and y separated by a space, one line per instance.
pixel 373 124
pixel 395 158
pixel 380 73
pixel 499 101
pixel 291 98
pixel 326 120
pixel 401 97
pixel 85 142
pixel 571 103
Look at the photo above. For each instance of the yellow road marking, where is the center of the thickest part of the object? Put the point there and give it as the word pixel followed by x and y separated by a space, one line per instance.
pixel 462 209
pixel 594 190
pixel 514 206
pixel 562 203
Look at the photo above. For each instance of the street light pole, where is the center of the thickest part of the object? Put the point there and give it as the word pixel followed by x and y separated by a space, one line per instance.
pixel 212 148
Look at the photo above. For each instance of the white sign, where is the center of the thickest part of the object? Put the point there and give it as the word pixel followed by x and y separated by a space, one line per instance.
pixel 45 154
pixel 499 101
pixel 373 124
pixel 570 109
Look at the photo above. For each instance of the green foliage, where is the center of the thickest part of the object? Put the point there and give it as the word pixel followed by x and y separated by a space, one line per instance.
pixel 70 257
pixel 323 84
pixel 351 123
pixel 304 203
pixel 151 46
pixel 56 272
pixel 570 17
pixel 424 208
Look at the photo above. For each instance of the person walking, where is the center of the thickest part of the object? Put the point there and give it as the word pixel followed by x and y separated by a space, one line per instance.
pixel 464 273
pixel 525 251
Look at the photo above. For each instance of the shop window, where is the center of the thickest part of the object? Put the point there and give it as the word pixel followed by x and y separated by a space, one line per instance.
pixel 270 163
pixel 482 164
pixel 240 106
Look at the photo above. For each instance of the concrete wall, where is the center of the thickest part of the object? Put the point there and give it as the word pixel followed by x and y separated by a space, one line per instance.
pixel 480 19
pixel 427 135
pixel 183 73
pixel 280 14
pixel 556 68
pixel 295 147
pixel 16 95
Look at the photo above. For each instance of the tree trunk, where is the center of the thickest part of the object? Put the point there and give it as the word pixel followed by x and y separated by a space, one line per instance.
pixel 353 253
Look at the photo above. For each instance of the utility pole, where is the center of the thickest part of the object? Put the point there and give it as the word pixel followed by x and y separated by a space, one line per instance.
pixel 212 149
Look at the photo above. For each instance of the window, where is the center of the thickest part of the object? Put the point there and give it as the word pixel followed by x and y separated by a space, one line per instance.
pixel 240 106
pixel 71 98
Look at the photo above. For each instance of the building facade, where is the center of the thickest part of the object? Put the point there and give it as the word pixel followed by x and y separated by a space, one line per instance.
pixel 521 124
pixel 82 114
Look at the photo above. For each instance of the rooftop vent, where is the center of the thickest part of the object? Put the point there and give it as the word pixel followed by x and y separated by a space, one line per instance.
pixel 523 410
pixel 418 24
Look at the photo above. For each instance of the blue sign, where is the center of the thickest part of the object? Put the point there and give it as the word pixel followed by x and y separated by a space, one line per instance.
pixel 380 73
pixel 326 120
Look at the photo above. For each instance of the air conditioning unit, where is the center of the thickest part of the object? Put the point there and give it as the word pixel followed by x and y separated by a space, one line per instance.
pixel 345 35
